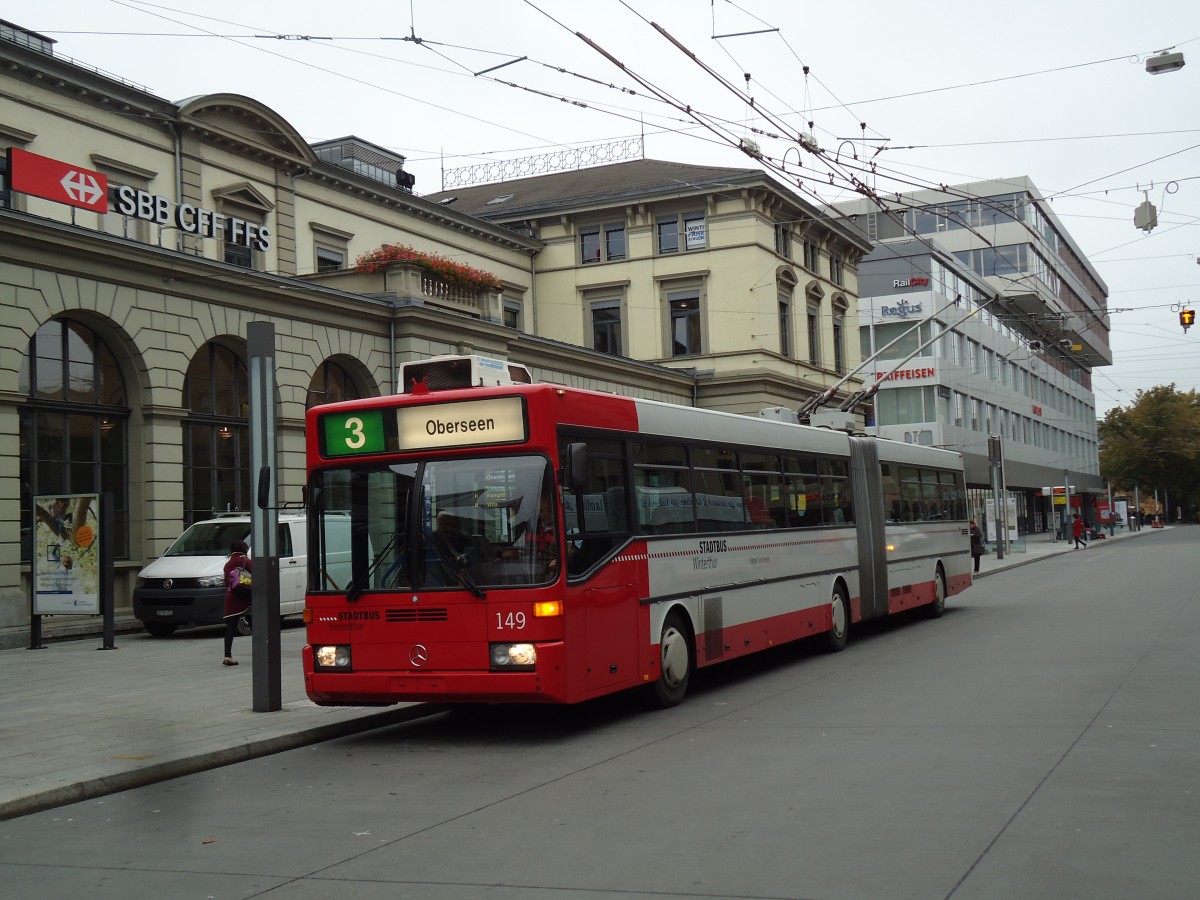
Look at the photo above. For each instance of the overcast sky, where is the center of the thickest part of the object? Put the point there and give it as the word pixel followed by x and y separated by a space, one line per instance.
pixel 952 91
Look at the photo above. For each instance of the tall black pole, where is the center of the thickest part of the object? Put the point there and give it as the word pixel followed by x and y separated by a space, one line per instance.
pixel 264 520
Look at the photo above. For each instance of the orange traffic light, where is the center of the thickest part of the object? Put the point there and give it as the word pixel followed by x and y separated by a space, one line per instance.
pixel 1187 318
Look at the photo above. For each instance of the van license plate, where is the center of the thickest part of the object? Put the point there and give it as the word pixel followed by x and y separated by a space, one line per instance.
pixel 163 612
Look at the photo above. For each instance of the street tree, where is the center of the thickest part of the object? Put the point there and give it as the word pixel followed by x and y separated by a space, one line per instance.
pixel 1154 443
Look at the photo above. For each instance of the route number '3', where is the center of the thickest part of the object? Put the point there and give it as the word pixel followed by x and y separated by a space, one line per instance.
pixel 358 436
pixel 514 621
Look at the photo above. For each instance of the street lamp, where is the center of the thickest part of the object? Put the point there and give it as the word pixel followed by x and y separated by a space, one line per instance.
pixel 1164 62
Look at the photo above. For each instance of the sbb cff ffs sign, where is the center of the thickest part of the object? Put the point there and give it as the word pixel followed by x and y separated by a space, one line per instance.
pixel 50 179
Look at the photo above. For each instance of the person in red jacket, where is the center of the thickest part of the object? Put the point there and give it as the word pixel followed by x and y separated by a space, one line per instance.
pixel 237 597
pixel 1077 532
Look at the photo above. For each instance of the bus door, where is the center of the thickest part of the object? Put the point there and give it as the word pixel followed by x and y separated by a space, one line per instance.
pixel 869 519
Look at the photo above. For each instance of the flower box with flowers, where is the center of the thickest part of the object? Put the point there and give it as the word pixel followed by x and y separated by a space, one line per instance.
pixel 439 268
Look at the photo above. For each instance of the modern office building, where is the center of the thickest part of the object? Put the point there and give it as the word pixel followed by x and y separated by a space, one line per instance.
pixel 1013 321
pixel 141 237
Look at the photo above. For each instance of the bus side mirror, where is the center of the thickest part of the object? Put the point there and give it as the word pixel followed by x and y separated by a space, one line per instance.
pixel 577 464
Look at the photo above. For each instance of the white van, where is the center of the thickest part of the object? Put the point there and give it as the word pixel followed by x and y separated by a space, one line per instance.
pixel 186 585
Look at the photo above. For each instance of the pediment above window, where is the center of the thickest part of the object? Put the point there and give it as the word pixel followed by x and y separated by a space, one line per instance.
pixel 243 194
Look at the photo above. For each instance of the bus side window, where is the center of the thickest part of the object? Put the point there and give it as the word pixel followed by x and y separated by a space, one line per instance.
pixel 596 519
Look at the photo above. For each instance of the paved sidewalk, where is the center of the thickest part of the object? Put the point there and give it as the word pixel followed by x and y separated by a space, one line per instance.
pixel 1036 547
pixel 78 722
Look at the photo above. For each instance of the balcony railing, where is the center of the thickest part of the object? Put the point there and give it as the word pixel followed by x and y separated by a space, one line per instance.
pixel 416 283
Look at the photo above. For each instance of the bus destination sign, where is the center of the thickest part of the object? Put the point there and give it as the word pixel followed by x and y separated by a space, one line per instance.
pixel 431 426
pixel 497 421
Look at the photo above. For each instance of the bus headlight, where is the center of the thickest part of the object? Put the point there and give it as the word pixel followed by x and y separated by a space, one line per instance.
pixel 332 656
pixel 513 656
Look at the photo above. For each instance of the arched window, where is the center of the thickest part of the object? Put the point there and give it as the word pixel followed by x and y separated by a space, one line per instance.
pixel 74 425
pixel 329 384
pixel 216 435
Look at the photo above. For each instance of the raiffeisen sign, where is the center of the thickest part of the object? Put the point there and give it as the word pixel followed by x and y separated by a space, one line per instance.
pixel 189 219
pixel 907 374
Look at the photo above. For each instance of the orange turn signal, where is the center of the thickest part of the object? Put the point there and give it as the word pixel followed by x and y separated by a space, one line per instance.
pixel 543 609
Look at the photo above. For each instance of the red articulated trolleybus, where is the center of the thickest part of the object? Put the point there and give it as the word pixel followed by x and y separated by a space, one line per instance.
pixel 537 543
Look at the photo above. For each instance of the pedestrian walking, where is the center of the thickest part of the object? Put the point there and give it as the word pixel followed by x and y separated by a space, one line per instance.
pixel 237 594
pixel 1077 530
pixel 976 543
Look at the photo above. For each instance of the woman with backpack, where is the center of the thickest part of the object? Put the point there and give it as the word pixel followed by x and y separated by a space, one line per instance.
pixel 237 594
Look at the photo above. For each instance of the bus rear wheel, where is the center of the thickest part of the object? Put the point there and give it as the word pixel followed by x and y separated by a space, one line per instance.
pixel 675 662
pixel 839 620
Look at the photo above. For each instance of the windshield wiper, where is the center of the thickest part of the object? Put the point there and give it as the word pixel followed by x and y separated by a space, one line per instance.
pixel 360 583
pixel 457 564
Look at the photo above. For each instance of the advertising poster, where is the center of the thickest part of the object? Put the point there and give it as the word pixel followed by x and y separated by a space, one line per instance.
pixel 66 555
pixel 994 523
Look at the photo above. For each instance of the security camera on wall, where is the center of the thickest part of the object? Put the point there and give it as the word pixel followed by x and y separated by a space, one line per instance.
pixel 1035 346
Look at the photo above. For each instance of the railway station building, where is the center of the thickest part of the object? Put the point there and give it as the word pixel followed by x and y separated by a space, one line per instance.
pixel 141 236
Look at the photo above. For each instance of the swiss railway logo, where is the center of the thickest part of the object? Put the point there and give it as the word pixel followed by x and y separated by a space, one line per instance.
pixel 82 187
pixel 50 179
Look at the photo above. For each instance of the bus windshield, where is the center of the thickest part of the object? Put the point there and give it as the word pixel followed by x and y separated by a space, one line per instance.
pixel 440 524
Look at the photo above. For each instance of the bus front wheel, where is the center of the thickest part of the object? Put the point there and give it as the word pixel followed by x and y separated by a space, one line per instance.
pixel 675 662
pixel 839 620
pixel 937 608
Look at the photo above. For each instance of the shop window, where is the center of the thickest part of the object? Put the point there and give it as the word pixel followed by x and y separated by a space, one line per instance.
pixel 73 427
pixel 329 384
pixel 216 434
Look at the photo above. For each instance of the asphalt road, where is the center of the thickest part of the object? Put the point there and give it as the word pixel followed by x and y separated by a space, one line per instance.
pixel 1042 740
